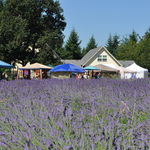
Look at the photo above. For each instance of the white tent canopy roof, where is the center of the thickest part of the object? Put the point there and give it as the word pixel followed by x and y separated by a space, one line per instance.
pixel 120 68
pixel 137 68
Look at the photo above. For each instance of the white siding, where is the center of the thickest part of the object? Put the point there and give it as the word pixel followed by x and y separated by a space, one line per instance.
pixel 110 60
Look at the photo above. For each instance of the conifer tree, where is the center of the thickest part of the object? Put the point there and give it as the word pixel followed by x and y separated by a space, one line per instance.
pixel 112 44
pixel 90 45
pixel 128 48
pixel 72 49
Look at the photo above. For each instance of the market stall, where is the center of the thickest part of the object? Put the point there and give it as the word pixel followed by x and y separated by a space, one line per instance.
pixel 140 72
pixel 65 71
pixel 122 70
pixel 107 71
pixel 33 71
pixel 5 70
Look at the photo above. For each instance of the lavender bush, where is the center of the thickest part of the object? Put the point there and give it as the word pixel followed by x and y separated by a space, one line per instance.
pixel 100 114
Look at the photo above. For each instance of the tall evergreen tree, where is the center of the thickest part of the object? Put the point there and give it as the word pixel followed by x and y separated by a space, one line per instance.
pixel 133 37
pixel 143 51
pixel 112 44
pixel 72 49
pixel 147 34
pixel 38 21
pixel 1 5
pixel 90 45
pixel 128 48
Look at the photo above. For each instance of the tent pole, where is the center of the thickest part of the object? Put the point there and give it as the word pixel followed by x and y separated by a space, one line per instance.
pixel 13 74
pixel 17 73
pixel 40 73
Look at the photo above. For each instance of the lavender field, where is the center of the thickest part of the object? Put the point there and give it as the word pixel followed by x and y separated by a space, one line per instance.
pixel 100 114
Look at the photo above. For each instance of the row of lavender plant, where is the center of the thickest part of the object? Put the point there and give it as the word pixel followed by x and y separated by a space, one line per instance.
pixel 98 114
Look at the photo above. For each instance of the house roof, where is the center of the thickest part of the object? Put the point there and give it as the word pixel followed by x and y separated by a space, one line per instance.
pixel 126 63
pixel 93 52
pixel 85 59
pixel 89 55
pixel 72 61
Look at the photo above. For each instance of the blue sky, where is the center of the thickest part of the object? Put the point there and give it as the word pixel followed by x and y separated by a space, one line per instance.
pixel 101 18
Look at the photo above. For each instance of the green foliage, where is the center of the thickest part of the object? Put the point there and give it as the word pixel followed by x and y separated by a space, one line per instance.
pixel 90 45
pixel 126 50
pixel 135 48
pixel 48 56
pixel 72 49
pixel 133 37
pixel 128 47
pixel 112 44
pixel 1 5
pixel 25 27
pixel 143 52
pixel 6 74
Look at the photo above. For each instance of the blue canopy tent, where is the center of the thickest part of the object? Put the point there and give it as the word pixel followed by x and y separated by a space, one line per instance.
pixel 91 68
pixel 67 68
pixel 4 70
pixel 5 65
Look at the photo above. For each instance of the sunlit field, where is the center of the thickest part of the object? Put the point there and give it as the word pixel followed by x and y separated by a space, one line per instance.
pixel 97 114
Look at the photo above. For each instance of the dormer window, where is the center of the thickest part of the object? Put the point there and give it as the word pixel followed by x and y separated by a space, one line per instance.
pixel 102 58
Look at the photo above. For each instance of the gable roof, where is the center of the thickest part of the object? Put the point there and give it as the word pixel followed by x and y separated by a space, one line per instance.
pixel 72 61
pixel 93 52
pixel 126 63
pixel 89 55
pixel 84 59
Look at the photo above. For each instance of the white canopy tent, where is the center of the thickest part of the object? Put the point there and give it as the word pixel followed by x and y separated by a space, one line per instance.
pixel 122 70
pixel 140 72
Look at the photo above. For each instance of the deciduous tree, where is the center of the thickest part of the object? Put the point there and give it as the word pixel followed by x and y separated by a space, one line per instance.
pixel 32 23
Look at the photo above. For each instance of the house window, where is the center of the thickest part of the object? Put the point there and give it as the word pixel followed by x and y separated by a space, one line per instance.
pixel 102 58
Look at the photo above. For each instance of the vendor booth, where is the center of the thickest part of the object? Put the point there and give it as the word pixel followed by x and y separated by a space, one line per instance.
pixel 105 68
pixel 122 70
pixel 65 71
pixel 5 65
pixel 33 71
pixel 5 71
pixel 90 72
pixel 140 72
pixel 107 71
